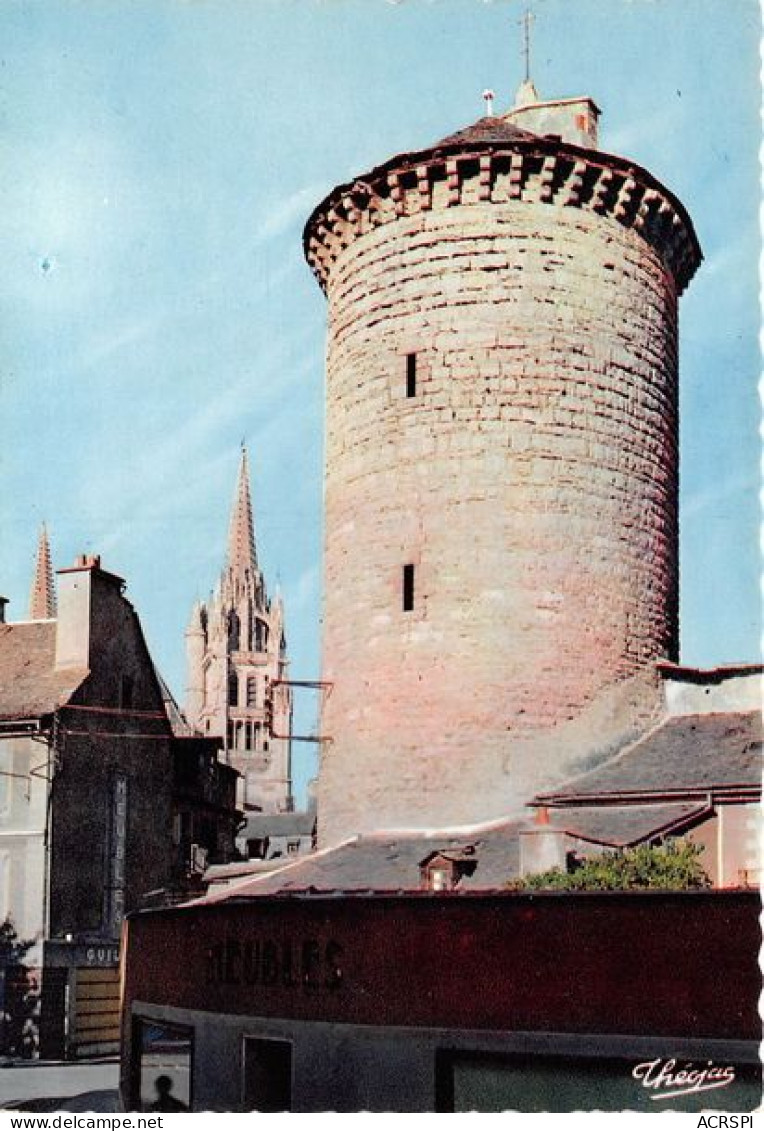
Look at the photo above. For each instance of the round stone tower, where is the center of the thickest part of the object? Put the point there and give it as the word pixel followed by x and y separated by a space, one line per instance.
pixel 501 462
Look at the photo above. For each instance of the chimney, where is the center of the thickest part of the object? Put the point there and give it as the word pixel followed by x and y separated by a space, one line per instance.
pixel 3 603
pixel 78 590
pixel 73 620
pixel 567 119
pixel 542 846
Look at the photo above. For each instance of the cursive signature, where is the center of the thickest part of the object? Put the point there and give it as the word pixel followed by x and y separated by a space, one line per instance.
pixel 667 1080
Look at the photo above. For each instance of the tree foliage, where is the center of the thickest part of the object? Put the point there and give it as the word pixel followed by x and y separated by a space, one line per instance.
pixel 12 948
pixel 672 866
pixel 19 996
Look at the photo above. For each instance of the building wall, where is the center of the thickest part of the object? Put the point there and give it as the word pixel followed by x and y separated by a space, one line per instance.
pixel 531 481
pixel 731 845
pixel 22 835
pixel 111 815
pixel 360 989
pixel 712 692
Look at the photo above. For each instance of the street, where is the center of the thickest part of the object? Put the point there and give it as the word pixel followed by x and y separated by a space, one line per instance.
pixel 46 1086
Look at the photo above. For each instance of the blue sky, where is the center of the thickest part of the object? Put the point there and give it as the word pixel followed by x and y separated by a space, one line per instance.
pixel 159 159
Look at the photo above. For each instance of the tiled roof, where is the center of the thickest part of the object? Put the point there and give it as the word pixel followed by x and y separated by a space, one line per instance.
pixel 494 131
pixel 30 685
pixel 687 755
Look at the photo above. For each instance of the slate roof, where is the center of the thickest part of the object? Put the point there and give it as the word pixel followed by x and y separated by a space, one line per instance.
pixel 30 685
pixel 661 784
pixel 685 756
pixel 390 862
pixel 382 862
pixel 178 723
pixel 261 825
pixel 240 869
pixel 620 826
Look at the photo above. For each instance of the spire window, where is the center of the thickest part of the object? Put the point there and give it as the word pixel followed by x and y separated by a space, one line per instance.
pixel 234 629
pixel 261 635
pixel 233 690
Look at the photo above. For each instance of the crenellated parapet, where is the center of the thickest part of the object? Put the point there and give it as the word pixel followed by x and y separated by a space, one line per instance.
pixel 539 170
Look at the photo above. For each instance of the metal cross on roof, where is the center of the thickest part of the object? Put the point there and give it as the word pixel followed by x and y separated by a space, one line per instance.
pixel 526 21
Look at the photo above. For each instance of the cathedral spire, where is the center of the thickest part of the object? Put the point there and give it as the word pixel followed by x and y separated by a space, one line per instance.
pixel 42 597
pixel 241 532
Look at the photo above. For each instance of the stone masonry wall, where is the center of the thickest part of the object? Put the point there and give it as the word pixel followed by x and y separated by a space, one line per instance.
pixel 531 481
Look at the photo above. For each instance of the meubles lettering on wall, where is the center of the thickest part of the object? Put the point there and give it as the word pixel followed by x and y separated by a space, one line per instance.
pixel 306 964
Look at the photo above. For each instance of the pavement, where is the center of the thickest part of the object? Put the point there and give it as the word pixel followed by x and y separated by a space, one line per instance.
pixel 44 1086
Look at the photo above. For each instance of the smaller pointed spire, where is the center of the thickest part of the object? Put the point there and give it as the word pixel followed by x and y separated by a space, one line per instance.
pixel 42 597
pixel 241 532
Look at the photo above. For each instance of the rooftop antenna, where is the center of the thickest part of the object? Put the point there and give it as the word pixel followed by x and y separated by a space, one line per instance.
pixel 527 20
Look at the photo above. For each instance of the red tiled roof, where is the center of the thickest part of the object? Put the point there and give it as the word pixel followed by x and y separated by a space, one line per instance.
pixel 30 685
pixel 495 131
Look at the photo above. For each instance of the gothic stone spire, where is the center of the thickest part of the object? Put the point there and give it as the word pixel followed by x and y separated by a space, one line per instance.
pixel 42 597
pixel 241 533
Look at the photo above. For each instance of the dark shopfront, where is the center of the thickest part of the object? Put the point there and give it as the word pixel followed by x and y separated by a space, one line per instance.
pixel 429 1002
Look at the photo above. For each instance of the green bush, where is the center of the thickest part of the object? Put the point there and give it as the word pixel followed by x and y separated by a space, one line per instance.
pixel 672 866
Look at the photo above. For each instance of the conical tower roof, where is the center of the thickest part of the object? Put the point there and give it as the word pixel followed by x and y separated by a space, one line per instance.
pixel 42 597
pixel 490 129
pixel 241 532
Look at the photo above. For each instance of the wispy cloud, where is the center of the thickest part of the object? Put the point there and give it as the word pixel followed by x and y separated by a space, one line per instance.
pixel 293 208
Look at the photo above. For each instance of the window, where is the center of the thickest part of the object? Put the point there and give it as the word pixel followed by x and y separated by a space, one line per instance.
pixel 233 690
pixel 410 374
pixel 251 691
pixel 164 1066
pixel 267 1075
pixel 440 879
pixel 408 588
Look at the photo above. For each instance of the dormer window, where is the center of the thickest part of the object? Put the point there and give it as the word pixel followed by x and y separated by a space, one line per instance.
pixel 442 871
